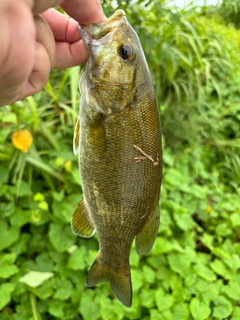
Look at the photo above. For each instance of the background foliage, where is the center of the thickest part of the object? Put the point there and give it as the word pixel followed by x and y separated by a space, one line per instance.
pixel 193 270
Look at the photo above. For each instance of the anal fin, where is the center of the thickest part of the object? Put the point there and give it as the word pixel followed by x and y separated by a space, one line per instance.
pixel 81 221
pixel 146 237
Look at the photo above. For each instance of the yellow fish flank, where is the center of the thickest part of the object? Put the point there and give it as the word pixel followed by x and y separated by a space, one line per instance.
pixel 118 140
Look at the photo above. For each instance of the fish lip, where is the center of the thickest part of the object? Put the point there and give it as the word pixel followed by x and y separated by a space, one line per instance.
pixel 98 34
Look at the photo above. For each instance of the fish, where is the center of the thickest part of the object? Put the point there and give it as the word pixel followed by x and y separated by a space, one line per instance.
pixel 118 141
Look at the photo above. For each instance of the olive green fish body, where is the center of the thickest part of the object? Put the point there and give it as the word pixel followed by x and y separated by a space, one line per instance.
pixel 119 146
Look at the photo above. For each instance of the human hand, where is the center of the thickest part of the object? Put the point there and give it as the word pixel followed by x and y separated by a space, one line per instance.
pixel 31 45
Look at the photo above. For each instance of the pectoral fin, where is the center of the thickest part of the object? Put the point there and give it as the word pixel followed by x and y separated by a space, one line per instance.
pixel 146 237
pixel 81 221
pixel 76 137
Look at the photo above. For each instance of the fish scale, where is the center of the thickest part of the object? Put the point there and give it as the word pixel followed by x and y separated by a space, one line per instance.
pixel 118 139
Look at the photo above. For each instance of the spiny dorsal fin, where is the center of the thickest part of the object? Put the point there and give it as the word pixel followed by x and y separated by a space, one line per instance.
pixel 76 137
pixel 146 237
pixel 81 222
pixel 120 283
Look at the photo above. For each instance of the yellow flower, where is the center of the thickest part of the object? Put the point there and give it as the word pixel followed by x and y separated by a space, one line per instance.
pixel 22 140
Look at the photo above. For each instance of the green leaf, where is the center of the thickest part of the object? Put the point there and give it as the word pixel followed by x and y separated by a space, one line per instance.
pixel 219 267
pixel 184 221
pixel 61 237
pixel 25 189
pixel 5 294
pixel 56 308
pixel 45 290
pixel 64 210
pixel 161 245
pixel 147 298
pixel 85 309
pixel 222 308
pixel 35 278
pixel 137 279
pixel 154 314
pixel 235 313
pixel 8 235
pixel 20 217
pixel 149 274
pixel 64 290
pixel 232 290
pixel 77 259
pixel 180 311
pixel 205 272
pixel 163 301
pixel 7 270
pixel 199 310
pixel 174 177
pixel 235 219
pixel 179 263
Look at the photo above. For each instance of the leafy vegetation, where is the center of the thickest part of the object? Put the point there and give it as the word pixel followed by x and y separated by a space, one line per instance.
pixel 193 270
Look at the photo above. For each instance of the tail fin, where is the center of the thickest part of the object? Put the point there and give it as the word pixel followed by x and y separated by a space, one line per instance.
pixel 120 282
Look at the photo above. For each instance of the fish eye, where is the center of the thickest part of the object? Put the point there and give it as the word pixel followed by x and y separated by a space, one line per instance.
pixel 125 52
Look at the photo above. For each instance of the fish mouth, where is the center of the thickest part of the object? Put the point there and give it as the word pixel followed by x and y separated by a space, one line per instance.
pixel 101 33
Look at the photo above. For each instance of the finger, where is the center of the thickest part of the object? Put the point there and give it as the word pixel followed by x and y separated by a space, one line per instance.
pixel 44 59
pixel 45 37
pixel 70 54
pixel 84 11
pixel 63 28
pixel 40 73
pixel 42 5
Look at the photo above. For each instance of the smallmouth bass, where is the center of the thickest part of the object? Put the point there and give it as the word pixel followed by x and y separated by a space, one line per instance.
pixel 118 140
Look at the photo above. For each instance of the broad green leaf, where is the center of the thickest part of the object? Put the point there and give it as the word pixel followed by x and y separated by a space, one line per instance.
pixel 161 245
pixel 35 278
pixel 5 293
pixel 174 177
pixel 199 310
pixel 137 279
pixel 25 189
pixel 235 219
pixel 45 290
pixel 179 263
pixel 61 237
pixel 56 308
pixel 147 298
pixel 219 267
pixel 222 308
pixel 64 210
pixel 7 270
pixel 235 313
pixel 89 308
pixel 8 235
pixel 233 262
pixel 232 290
pixel 64 289
pixel 211 291
pixel 135 311
pixel 77 259
pixel 184 221
pixel 149 274
pixel 180 311
pixel 163 301
pixel 154 314
pixel 205 272
pixel 223 229
pixel 20 217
